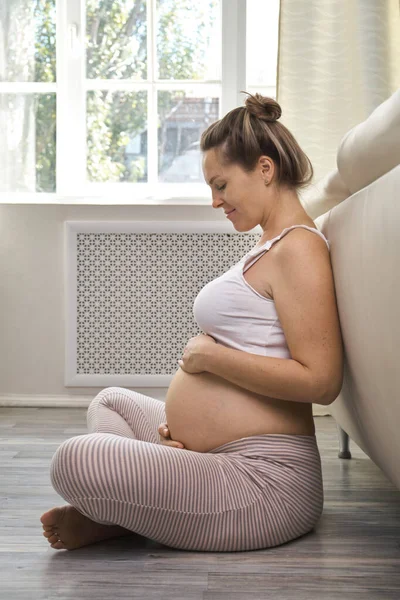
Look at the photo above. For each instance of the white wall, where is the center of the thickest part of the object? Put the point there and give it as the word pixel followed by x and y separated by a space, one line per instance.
pixel 32 289
pixel 32 344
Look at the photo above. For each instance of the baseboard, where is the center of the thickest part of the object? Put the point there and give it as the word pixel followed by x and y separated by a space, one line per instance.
pixel 319 410
pixel 44 401
pixel 52 401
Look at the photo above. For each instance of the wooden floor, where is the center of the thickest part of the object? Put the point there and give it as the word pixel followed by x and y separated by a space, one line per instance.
pixel 354 552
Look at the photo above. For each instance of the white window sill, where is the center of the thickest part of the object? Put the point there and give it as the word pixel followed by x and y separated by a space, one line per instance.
pixel 115 200
pixel 166 194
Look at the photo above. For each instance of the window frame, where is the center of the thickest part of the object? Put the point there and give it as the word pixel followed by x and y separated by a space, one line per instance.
pixel 71 88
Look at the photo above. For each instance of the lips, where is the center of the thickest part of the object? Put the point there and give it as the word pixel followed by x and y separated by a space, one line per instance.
pixel 228 213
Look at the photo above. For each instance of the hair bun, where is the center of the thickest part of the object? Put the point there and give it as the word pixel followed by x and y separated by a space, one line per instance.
pixel 262 107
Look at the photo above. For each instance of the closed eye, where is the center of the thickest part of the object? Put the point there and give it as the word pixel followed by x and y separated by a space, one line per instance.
pixel 221 188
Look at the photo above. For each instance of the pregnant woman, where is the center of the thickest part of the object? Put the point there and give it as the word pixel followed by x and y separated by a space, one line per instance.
pixel 230 461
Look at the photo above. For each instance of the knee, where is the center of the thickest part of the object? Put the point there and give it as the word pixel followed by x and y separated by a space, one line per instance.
pixel 65 467
pixel 104 396
pixel 108 391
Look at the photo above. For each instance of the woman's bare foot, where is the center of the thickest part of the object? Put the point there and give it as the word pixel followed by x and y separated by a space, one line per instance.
pixel 67 529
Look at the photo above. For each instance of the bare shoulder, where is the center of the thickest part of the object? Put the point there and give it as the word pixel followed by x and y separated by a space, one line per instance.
pixel 299 236
pixel 302 246
pixel 300 254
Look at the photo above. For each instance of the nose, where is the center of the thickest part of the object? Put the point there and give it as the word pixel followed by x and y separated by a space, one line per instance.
pixel 216 202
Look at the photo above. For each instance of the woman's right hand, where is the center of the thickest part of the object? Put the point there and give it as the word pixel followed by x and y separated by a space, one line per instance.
pixel 163 430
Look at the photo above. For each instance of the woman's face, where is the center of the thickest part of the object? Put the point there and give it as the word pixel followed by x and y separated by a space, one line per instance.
pixel 233 188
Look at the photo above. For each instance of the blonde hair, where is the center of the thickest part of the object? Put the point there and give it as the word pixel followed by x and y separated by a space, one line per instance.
pixel 248 132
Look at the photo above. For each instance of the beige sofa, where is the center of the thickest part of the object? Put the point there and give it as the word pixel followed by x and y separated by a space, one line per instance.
pixel 357 207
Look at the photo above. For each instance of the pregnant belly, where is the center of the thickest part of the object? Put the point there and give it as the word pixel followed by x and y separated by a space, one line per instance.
pixel 204 411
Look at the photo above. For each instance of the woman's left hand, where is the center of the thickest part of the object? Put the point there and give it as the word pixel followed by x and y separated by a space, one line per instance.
pixel 195 352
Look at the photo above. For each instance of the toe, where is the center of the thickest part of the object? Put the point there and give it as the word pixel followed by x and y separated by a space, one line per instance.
pixel 58 546
pixel 48 534
pixel 47 518
pixel 53 516
pixel 53 539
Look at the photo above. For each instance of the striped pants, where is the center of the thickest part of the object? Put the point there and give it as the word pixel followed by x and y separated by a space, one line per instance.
pixel 252 493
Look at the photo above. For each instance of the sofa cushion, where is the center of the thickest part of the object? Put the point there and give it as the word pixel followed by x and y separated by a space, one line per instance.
pixel 371 148
pixel 320 197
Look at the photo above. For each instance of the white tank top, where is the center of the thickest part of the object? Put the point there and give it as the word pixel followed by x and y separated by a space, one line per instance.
pixel 236 315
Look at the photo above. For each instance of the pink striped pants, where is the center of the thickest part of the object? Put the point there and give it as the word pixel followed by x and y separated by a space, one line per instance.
pixel 252 493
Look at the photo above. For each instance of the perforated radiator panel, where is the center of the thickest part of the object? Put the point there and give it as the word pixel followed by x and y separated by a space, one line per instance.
pixel 130 295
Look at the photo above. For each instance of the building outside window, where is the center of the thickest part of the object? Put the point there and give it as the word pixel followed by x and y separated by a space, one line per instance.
pixel 99 97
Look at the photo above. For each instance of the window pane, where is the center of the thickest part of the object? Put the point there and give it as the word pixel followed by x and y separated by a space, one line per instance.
pixel 262 25
pixel 116 39
pixel 28 40
pixel 117 136
pixel 27 142
pixel 182 119
pixel 189 39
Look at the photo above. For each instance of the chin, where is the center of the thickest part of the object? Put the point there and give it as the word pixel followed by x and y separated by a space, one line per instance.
pixel 242 227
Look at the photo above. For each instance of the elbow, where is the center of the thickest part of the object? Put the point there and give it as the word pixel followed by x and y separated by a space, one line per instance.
pixel 322 391
pixel 333 386
pixel 326 400
pixel 329 394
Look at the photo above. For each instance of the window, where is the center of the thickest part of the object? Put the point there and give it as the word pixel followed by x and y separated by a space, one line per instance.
pixel 106 97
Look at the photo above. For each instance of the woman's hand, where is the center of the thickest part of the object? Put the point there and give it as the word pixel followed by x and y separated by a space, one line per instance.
pixel 196 351
pixel 166 438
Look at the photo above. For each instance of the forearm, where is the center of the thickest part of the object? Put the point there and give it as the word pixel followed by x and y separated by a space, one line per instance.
pixel 281 378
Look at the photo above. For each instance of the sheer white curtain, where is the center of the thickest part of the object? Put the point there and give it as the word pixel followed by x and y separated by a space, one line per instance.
pixel 17 111
pixel 337 61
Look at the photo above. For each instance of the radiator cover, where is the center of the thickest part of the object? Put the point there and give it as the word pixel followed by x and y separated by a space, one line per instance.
pixel 130 288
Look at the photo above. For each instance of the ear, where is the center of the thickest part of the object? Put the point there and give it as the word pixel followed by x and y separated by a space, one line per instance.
pixel 267 168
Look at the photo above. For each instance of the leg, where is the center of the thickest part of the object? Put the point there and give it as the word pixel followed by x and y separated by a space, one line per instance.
pixel 344 443
pixel 123 413
pixel 248 494
pixel 126 413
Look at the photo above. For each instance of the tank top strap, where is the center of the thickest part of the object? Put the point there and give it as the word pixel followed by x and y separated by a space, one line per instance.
pixel 269 243
pixel 251 257
pixel 317 231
